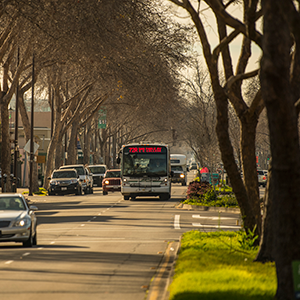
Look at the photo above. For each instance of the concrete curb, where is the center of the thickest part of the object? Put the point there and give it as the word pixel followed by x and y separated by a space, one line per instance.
pixel 207 208
pixel 159 287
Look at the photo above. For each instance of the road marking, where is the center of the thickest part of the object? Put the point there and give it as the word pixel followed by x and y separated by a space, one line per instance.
pixel 9 262
pixel 212 218
pixel 176 222
pixel 26 254
pixel 215 226
pixel 155 290
pixel 52 243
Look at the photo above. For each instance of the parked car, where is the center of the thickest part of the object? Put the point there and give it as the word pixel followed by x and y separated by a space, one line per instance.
pixel 98 172
pixel 85 175
pixel 111 181
pixel 262 178
pixel 18 221
pixel 65 181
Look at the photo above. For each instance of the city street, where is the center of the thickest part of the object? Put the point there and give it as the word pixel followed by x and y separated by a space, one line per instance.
pixel 101 247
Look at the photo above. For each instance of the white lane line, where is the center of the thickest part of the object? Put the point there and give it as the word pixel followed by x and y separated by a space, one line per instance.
pixel 176 222
pixel 9 262
pixel 215 226
pixel 26 254
pixel 213 218
pixel 52 243
pixel 82 225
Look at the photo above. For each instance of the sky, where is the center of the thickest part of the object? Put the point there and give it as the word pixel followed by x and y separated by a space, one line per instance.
pixel 211 29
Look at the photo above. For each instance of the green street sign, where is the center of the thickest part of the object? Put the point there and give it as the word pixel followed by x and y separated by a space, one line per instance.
pixel 296 277
pixel 102 118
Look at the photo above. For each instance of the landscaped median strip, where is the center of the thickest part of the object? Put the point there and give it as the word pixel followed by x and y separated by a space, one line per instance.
pixel 219 265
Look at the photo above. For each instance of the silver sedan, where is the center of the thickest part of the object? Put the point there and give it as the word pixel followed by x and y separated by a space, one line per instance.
pixel 18 222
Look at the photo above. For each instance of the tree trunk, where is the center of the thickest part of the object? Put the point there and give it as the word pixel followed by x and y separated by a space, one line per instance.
pixel 5 145
pixel 72 147
pixel 248 134
pixel 284 139
pixel 228 159
pixel 265 253
pixel 59 153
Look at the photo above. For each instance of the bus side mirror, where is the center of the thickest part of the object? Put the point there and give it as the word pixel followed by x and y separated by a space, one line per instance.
pixel 172 173
pixel 118 160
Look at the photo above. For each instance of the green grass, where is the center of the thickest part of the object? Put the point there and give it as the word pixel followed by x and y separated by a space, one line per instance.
pixel 213 266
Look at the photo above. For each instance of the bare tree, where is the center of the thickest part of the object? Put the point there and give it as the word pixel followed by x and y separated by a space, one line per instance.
pixel 246 190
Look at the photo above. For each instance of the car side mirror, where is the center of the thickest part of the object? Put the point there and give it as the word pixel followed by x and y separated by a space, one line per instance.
pixel 118 160
pixel 172 173
pixel 33 207
pixel 49 178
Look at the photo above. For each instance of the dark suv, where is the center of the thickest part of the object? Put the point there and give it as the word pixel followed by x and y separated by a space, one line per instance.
pixel 84 175
pixel 65 182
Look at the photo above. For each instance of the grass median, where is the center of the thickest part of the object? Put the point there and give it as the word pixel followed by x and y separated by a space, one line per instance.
pixel 218 265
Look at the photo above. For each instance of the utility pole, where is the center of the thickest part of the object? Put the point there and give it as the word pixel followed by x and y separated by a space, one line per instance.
pixel 16 152
pixel 31 133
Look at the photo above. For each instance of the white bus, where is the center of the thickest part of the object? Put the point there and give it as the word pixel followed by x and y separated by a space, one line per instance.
pixel 179 168
pixel 145 171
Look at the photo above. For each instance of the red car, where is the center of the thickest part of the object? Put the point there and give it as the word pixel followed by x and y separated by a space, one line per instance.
pixel 111 181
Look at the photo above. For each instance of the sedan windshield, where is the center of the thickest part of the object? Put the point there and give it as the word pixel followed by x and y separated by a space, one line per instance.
pixel 12 203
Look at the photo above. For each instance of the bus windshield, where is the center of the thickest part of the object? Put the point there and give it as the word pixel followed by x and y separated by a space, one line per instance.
pixel 141 164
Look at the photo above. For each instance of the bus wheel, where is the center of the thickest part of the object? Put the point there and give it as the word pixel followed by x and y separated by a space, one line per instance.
pixel 126 197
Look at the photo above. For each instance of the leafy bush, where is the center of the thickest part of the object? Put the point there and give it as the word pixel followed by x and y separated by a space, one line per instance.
pixel 200 190
pixel 202 193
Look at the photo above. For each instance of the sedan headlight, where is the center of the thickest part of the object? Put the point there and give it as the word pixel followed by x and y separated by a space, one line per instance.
pixel 181 175
pixel 21 222
pixel 73 181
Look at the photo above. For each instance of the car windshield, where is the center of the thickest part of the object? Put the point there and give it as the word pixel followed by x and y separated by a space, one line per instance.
pixel 113 174
pixel 176 168
pixel 96 170
pixel 12 203
pixel 79 169
pixel 64 174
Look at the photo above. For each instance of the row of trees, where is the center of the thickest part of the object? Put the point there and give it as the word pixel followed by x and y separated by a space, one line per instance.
pixel 88 54
pixel 126 55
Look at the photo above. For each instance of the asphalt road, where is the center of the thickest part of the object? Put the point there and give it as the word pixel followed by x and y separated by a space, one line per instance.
pixel 102 247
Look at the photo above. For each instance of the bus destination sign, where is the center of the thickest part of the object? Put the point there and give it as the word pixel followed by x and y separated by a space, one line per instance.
pixel 145 149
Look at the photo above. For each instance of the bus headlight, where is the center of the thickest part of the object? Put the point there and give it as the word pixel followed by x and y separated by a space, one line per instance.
pixel 166 180
pixel 182 176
